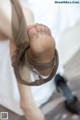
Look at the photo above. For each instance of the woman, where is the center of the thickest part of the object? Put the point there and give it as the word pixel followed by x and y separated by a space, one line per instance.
pixel 39 52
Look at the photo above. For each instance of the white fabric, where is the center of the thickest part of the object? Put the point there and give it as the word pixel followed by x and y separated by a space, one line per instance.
pixel 58 18
pixel 9 94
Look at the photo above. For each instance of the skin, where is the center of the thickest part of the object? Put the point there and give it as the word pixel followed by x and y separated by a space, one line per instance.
pixel 39 51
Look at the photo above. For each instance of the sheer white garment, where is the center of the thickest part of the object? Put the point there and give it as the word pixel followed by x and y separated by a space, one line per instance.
pixel 58 18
